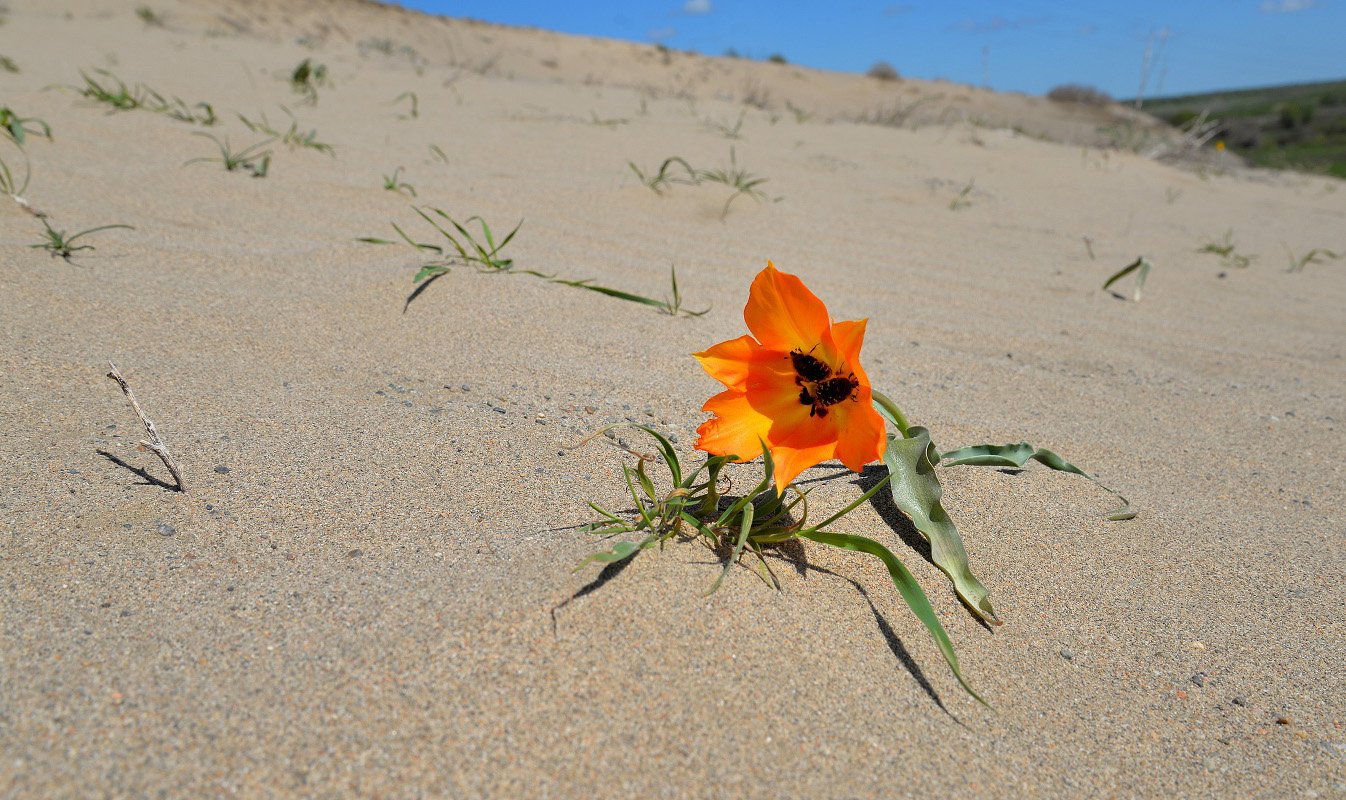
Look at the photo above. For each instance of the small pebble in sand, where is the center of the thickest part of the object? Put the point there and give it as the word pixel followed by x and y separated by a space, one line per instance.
pixel 222 469
pixel 1199 680
pixel 356 553
pixel 1282 720
pixel 1239 701
pixel 1067 655
pixel 165 529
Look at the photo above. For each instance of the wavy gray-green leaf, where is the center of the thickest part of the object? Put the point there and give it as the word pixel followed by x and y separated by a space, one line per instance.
pixel 917 492
pixel 1017 455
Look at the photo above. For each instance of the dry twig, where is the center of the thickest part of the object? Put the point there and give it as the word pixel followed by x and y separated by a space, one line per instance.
pixel 155 443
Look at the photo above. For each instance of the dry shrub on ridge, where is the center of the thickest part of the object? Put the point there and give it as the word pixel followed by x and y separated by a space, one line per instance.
pixel 883 71
pixel 1078 93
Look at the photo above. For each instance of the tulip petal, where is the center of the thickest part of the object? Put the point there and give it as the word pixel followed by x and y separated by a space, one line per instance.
pixel 729 362
pixel 862 432
pixel 737 429
pixel 848 335
pixel 790 461
pixel 783 314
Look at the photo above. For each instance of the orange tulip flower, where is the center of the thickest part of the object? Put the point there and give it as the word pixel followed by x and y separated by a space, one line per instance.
pixel 798 386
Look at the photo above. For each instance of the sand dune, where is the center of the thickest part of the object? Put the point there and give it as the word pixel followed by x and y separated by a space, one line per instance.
pixel 369 589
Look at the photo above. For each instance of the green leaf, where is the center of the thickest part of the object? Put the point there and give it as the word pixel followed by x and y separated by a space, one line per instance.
pixel 916 491
pixel 666 448
pixel 744 528
pixel 1017 455
pixel 618 293
pixel 620 552
pixel 635 498
pixel 429 270
pixel 907 587
pixel 1141 266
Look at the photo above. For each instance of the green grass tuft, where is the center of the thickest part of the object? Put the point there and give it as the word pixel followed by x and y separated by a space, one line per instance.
pixel 306 78
pixel 392 184
pixel 18 128
pixel 112 91
pixel 292 137
pixel 415 105
pixel 1225 249
pixel 483 254
pixel 60 243
pixel 961 201
pixel 149 16
pixel 741 181
pixel 1317 255
pixel 254 158
pixel 8 184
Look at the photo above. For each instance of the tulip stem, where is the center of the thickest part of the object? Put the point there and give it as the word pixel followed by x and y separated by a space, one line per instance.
pixel 894 414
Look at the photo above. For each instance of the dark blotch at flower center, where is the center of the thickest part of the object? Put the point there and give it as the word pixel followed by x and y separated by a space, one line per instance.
pixel 818 387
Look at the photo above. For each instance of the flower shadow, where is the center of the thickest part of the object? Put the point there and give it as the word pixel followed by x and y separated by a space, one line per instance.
pixel 901 524
pixel 795 555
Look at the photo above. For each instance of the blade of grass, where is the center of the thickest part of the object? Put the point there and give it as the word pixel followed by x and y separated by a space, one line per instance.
pixel 1141 266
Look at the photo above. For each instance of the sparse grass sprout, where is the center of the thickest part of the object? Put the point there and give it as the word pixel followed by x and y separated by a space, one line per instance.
pixel 8 184
pixel 60 243
pixel 149 16
pixel 18 127
pixel 306 78
pixel 483 253
pixel 740 180
pixel 1227 252
pixel 113 91
pixel 254 158
pixel 961 201
pixel 415 105
pixel 292 137
pixel 1317 255
pixel 392 184
pixel 664 177
pixel 728 132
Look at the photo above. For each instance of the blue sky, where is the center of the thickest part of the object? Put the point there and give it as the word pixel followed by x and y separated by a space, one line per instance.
pixel 1025 45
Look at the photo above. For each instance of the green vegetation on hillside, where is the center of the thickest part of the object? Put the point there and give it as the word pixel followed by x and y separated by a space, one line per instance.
pixel 1300 126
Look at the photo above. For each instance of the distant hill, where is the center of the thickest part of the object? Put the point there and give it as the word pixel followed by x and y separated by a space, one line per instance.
pixel 1297 126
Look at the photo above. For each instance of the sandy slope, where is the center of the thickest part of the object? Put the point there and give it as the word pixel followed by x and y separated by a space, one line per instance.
pixel 357 596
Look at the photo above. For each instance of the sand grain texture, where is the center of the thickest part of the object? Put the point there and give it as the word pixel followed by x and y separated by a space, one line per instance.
pixel 356 597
